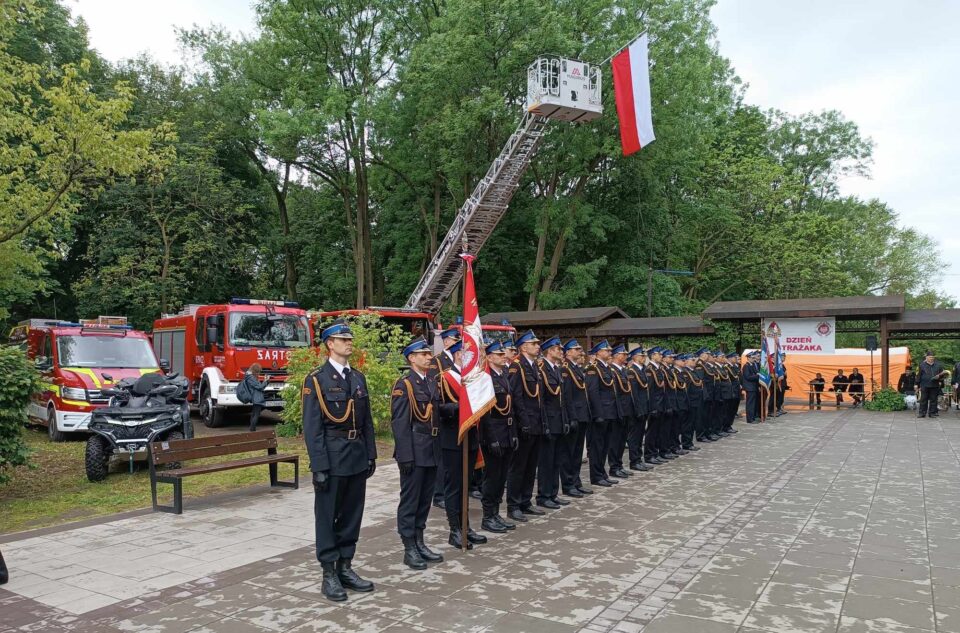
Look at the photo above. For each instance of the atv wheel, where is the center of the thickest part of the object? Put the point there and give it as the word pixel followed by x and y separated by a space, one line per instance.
pixel 172 435
pixel 55 434
pixel 212 416
pixel 97 458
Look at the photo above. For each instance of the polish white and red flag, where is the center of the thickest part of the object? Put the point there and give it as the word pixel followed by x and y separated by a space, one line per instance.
pixel 631 85
pixel 476 385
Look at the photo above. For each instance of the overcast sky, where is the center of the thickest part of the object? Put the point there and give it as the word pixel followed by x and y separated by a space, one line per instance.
pixel 890 66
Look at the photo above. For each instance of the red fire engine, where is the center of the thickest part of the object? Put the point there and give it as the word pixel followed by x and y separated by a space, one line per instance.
pixel 74 360
pixel 214 345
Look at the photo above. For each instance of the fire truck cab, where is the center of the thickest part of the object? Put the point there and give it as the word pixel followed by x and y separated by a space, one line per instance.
pixel 76 361
pixel 215 345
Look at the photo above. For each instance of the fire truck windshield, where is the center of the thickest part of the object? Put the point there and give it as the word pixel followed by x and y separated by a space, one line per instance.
pixel 105 351
pixel 258 329
pixel 497 335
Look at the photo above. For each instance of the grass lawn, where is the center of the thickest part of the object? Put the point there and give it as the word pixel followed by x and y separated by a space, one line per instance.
pixel 57 491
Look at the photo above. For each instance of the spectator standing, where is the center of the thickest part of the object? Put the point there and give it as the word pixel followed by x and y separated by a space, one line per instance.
pixel 255 388
pixel 930 378
pixel 4 574
pixel 816 386
pixel 856 387
pixel 840 385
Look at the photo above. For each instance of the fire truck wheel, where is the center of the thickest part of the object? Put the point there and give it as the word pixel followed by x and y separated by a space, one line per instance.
pixel 55 434
pixel 212 416
pixel 97 458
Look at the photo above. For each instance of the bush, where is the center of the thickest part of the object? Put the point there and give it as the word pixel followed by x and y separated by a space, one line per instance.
pixel 887 399
pixel 19 380
pixel 376 352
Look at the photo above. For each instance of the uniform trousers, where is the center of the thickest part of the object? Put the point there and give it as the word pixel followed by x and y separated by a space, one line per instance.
pixel 688 425
pixel 453 483
pixel 651 436
pixel 571 453
pixel 494 479
pixel 523 472
pixel 439 490
pixel 597 445
pixel 665 442
pixel 416 492
pixel 618 442
pixel 548 467
pixel 337 512
pixel 635 438
pixel 753 406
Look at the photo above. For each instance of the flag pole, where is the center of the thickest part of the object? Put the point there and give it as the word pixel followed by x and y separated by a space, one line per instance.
pixel 464 443
pixel 627 45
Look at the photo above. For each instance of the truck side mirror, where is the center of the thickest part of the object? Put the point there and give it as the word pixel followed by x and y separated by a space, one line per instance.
pixel 212 335
pixel 42 363
pixel 164 365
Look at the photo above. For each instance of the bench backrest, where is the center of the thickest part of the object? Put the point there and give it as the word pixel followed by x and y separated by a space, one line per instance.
pixel 201 447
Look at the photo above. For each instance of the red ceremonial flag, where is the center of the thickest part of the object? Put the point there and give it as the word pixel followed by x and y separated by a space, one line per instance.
pixel 476 386
pixel 631 84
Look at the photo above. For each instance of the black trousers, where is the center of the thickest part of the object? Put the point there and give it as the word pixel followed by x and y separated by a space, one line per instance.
pixel 337 512
pixel 453 482
pixel 597 445
pixel 494 479
pixel 416 492
pixel 618 442
pixel 753 406
pixel 523 472
pixel 635 438
pixel 255 416
pixel 548 467
pixel 688 424
pixel 438 484
pixel 651 436
pixel 928 402
pixel 666 441
pixel 571 456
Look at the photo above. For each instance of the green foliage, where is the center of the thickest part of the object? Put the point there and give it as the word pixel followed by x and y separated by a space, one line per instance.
pixel 376 352
pixel 887 399
pixel 20 379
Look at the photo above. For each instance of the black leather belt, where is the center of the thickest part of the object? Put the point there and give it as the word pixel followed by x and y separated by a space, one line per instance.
pixel 350 434
pixel 424 429
pixel 509 420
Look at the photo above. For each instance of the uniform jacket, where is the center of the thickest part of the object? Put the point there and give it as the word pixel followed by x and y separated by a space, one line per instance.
pixel 332 406
pixel 555 395
pixel 415 406
pixel 750 377
pixel 656 382
pixel 639 389
pixel 709 377
pixel 600 387
pixel 624 391
pixel 725 381
pixel 680 388
pixel 527 385
pixel 735 380
pixel 578 404
pixel 498 426
pixel 694 388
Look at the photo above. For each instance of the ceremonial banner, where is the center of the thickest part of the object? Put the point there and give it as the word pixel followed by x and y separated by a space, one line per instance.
pixel 476 388
pixel 631 85
pixel 802 336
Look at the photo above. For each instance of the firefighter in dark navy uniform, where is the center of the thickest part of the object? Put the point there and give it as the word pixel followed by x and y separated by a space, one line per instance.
pixel 338 432
pixel 415 407
pixel 443 362
pixel 528 413
pixel 555 394
pixel 640 390
pixel 603 408
pixel 578 409
pixel 626 411
pixel 498 439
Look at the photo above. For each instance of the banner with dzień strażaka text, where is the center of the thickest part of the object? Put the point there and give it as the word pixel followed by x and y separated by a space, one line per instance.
pixel 803 336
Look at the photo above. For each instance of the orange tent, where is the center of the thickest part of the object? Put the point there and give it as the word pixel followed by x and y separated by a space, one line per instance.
pixel 802 368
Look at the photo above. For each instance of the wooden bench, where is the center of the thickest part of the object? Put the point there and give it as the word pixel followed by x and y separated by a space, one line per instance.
pixel 179 451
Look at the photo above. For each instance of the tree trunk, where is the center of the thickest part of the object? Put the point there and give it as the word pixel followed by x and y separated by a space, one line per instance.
pixel 291 275
pixel 538 266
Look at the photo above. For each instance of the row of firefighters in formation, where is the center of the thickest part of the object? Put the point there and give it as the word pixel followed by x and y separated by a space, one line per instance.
pixel 553 400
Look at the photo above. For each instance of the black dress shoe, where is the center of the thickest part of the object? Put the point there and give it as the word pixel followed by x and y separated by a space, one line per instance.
pixel 490 524
pixel 668 456
pixel 732 430
pixel 603 483
pixel 427 554
pixel 682 451
pixel 691 448
pixel 621 473
pixel 349 579
pixel 473 537
pixel 560 502
pixel 455 539
pixel 517 515
pixel 655 460
pixel 573 492
pixel 331 587
pixel 640 467
pixel 475 494
pixel 439 504
pixel 533 511
pixel 584 491
pixel 505 524
pixel 411 555
pixel 548 504
pixel 613 482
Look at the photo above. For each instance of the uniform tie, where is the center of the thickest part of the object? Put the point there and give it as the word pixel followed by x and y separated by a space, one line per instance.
pixel 346 374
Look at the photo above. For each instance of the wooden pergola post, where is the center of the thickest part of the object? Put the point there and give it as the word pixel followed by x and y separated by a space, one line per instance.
pixel 884 353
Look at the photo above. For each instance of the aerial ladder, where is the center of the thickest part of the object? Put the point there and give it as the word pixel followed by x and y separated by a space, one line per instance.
pixel 557 88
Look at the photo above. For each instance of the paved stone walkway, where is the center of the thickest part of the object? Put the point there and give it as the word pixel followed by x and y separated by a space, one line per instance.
pixel 819 521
